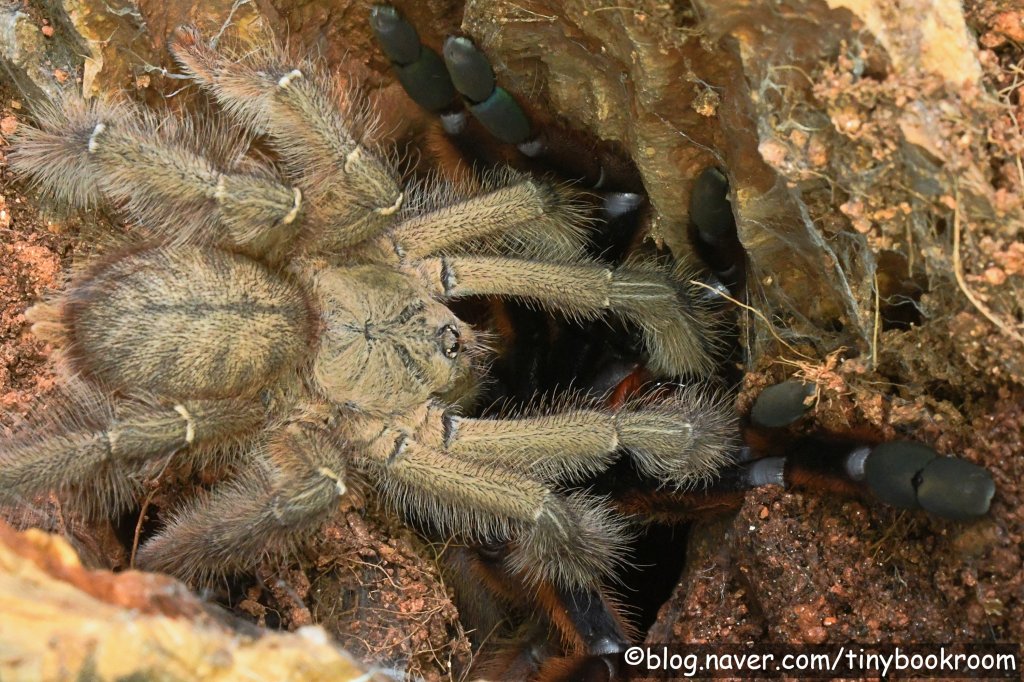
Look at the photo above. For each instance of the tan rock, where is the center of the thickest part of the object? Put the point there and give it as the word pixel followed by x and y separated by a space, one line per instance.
pixel 61 621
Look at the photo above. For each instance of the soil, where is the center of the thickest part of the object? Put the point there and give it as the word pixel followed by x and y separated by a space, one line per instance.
pixel 35 251
pixel 794 566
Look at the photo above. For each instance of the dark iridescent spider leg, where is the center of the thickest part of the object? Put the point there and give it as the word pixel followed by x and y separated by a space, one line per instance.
pixel 468 71
pixel 713 230
pixel 491 105
pixel 489 598
pixel 903 474
pixel 419 69
pixel 502 116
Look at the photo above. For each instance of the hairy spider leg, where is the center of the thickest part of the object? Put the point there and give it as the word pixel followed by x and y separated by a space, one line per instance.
pixel 571 540
pixel 87 448
pixel 323 136
pixel 353 191
pixel 681 441
pixel 291 484
pixel 589 162
pixel 159 171
pixel 497 469
pixel 490 104
pixel 506 213
pixel 903 474
pixel 678 328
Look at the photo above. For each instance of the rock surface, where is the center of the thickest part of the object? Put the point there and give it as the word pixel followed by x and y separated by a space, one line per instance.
pixel 62 621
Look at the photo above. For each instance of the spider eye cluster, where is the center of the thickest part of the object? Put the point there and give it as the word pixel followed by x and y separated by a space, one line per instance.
pixel 451 343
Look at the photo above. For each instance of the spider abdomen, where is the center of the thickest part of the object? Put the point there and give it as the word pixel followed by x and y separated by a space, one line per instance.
pixel 187 321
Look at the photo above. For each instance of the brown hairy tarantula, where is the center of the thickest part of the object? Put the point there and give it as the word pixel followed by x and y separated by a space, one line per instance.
pixel 298 312
pixel 289 309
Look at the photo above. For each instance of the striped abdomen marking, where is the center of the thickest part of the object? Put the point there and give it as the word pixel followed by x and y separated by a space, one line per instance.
pixel 188 321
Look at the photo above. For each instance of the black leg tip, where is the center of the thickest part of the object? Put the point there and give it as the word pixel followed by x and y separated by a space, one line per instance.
pixel 781 404
pixel 469 68
pixel 397 37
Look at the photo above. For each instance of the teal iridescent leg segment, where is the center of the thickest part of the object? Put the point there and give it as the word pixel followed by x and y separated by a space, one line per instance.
pixel 420 70
pixel 491 105
pixel 465 70
pixel 904 474
pixel 466 74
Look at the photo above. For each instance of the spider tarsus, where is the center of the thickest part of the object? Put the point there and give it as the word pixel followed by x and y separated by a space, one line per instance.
pixel 292 486
pixel 684 440
pixel 593 620
pixel 955 489
pixel 576 541
pixel 617 204
pixel 47 325
pixel 469 68
pixel 912 475
pixel 782 404
pixel 398 38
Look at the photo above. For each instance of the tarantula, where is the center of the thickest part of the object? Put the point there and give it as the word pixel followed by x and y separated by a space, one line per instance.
pixel 290 307
pixel 293 312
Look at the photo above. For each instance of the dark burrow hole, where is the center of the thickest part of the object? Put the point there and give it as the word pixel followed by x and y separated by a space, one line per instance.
pixel 126 524
pixel 656 563
pixel 899 291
